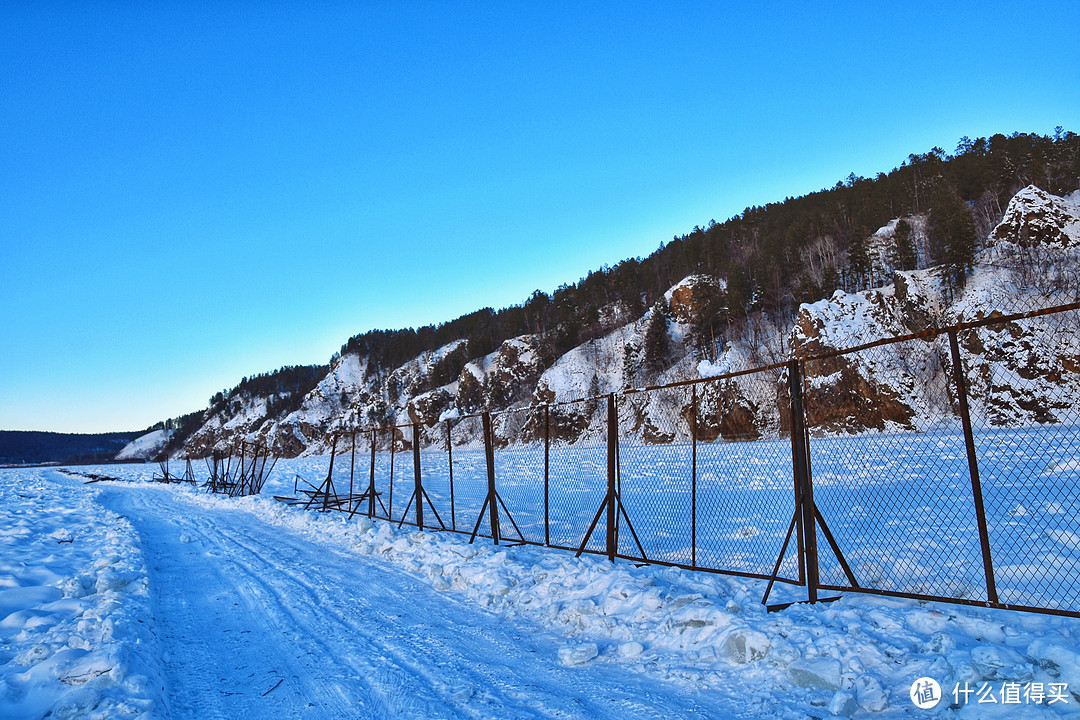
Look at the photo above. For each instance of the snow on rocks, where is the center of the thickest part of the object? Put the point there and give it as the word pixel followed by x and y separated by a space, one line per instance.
pixel 744 646
pixel 815 672
pixel 75 630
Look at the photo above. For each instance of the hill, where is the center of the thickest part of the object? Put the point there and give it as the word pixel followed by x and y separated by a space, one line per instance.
pixel 730 292
pixel 19 447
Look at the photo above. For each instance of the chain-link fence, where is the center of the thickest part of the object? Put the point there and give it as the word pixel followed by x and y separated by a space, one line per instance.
pixel 943 465
pixel 1023 378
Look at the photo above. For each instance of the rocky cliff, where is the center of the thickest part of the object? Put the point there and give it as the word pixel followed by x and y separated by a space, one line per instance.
pixel 1019 373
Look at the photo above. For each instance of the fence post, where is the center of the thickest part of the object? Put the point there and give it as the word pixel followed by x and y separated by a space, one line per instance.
pixel 973 466
pixel 493 504
pixel 390 496
pixel 352 466
pixel 613 439
pixel 802 479
pixel 371 483
pixel 242 481
pixel 330 474
pixel 693 475
pixel 450 463
pixel 547 469
pixel 419 487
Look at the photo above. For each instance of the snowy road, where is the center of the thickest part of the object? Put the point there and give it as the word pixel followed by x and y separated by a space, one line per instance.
pixel 257 622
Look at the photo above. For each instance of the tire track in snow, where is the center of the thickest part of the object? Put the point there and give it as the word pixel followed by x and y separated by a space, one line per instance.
pixel 244 604
pixel 221 653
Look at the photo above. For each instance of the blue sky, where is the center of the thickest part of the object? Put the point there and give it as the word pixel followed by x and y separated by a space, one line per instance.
pixel 193 194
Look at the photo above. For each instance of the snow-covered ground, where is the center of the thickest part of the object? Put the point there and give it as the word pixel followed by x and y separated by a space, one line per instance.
pixel 128 599
pixel 77 636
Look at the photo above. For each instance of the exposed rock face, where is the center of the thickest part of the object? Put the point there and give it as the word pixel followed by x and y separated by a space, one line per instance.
pixel 918 300
pixel 1024 372
pixel 1018 373
pixel 842 398
pixel 428 408
pixel 1035 217
pixel 725 411
pixel 503 378
pixel 874 389
pixel 687 299
pixel 238 418
pixel 513 372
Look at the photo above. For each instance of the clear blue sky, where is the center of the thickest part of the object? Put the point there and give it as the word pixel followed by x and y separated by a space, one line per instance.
pixel 194 192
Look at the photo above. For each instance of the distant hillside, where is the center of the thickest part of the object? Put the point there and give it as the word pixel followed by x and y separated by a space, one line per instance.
pixel 20 447
pixel 739 284
pixel 1030 259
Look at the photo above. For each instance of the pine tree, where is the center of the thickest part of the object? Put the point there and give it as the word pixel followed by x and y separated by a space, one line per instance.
pixel 858 261
pixel 630 365
pixel 952 230
pixel 710 308
pixel 657 343
pixel 904 255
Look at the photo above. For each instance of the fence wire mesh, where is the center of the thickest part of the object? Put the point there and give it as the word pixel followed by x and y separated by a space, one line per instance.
pixel 656 475
pixel 745 480
pixel 944 466
pixel 890 471
pixel 435 459
pixel 578 472
pixel 518 439
pixel 469 468
pixel 1024 391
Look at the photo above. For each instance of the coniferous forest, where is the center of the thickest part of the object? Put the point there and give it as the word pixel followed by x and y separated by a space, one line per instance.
pixel 776 256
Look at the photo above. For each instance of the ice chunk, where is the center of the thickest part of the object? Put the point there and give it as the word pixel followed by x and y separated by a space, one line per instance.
pixel 869 694
pixel 940 643
pixel 578 654
pixel 989 660
pixel 1057 659
pixel 843 704
pixel 822 672
pixel 743 645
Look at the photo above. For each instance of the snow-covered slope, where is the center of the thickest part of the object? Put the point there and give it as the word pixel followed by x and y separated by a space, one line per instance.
pixel 1030 260
pixel 1014 371
pixel 145 447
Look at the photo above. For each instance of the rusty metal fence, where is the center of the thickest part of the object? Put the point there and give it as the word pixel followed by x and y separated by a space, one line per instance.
pixel 943 465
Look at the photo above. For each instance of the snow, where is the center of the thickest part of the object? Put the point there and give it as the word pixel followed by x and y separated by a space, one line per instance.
pixel 707 369
pixel 171 603
pixel 145 447
pixel 75 624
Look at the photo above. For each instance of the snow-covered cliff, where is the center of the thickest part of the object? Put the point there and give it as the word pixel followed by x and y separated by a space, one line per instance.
pixel 1017 372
